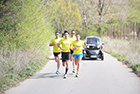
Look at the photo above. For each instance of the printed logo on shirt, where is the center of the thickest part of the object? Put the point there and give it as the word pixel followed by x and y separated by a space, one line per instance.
pixel 66 43
pixel 78 45
pixel 56 41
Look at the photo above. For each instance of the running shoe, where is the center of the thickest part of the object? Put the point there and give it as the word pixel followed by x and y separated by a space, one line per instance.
pixel 65 76
pixel 73 71
pixel 77 75
pixel 57 72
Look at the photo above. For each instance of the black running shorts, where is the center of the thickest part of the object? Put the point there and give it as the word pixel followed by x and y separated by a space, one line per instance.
pixel 71 51
pixel 65 56
pixel 56 54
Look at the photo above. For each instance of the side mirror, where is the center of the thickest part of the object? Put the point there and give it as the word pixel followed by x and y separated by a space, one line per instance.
pixel 102 43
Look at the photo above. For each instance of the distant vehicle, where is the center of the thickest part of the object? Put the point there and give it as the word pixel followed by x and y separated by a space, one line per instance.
pixel 93 48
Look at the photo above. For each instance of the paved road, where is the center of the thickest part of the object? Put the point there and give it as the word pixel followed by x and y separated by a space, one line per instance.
pixel 96 77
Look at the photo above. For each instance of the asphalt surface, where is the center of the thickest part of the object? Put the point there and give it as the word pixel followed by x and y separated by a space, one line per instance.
pixel 96 77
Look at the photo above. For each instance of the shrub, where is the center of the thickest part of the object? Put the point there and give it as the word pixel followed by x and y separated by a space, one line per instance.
pixel 127 51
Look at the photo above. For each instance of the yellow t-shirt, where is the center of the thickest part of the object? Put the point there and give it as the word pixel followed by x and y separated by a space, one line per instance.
pixel 72 38
pixel 65 44
pixel 79 45
pixel 55 47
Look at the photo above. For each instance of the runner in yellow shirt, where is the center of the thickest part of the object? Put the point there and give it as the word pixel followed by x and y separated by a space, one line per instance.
pixel 72 38
pixel 56 50
pixel 78 46
pixel 66 46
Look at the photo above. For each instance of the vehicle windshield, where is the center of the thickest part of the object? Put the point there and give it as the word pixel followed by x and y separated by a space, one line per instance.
pixel 93 41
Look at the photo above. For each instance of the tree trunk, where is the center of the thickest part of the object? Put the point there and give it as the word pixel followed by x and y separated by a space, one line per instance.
pixel 100 12
pixel 84 16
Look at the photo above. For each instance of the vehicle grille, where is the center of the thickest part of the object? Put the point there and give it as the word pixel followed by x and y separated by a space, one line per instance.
pixel 91 52
pixel 91 48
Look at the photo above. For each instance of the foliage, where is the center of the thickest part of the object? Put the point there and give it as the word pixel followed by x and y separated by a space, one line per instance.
pixel 120 57
pixel 34 29
pixel 135 66
pixel 126 51
pixel 25 32
pixel 65 15
pixel 15 68
pixel 134 11
pixel 8 31
pixel 28 27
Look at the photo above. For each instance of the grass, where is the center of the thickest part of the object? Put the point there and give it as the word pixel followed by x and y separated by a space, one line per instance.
pixel 18 65
pixel 126 51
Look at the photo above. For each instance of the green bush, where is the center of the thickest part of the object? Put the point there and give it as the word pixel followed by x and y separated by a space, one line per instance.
pixel 25 32
pixel 135 66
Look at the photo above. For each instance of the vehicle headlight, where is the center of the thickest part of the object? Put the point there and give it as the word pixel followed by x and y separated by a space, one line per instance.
pixel 98 46
pixel 84 51
pixel 87 46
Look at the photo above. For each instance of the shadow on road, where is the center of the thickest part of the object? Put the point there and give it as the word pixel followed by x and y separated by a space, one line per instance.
pixel 90 59
pixel 93 59
pixel 53 58
pixel 50 76
pixel 45 75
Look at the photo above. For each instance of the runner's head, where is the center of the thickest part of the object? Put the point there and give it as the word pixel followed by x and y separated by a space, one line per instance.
pixel 73 33
pixel 57 34
pixel 66 34
pixel 77 37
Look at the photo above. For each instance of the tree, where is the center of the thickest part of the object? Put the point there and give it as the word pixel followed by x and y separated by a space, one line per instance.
pixel 64 15
pixel 99 12
pixel 25 24
pixel 134 11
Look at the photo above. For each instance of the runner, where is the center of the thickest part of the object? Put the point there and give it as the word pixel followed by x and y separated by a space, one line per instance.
pixel 56 50
pixel 66 45
pixel 72 38
pixel 78 45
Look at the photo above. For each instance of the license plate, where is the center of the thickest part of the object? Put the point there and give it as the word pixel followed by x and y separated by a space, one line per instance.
pixel 93 56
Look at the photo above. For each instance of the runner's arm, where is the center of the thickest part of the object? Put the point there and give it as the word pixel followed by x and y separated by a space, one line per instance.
pixel 60 46
pixel 52 44
pixel 84 47
pixel 71 46
pixel 75 48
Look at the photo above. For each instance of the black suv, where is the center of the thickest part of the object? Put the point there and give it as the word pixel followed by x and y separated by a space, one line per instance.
pixel 93 48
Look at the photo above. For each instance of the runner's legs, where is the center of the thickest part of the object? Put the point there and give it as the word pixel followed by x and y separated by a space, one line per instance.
pixel 77 62
pixel 72 60
pixel 65 60
pixel 57 60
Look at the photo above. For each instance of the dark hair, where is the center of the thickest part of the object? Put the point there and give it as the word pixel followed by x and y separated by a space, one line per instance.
pixel 62 34
pixel 72 30
pixel 66 32
pixel 56 32
pixel 77 34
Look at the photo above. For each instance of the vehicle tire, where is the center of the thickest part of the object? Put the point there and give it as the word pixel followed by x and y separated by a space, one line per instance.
pixel 83 57
pixel 102 57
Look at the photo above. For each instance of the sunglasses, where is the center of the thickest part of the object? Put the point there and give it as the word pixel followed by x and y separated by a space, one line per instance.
pixel 72 33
